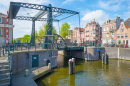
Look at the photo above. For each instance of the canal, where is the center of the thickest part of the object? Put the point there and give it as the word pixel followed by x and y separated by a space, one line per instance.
pixel 88 73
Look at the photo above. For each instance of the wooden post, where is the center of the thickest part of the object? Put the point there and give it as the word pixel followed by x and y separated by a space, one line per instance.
pixel 70 66
pixel 106 58
pixel 49 65
pixel 73 61
pixel 103 58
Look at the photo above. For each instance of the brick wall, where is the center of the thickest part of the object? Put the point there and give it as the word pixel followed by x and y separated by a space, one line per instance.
pixel 4 21
pixel 22 60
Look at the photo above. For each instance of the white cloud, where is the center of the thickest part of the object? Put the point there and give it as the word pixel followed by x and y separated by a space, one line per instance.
pixel 23 27
pixel 126 15
pixel 99 15
pixel 67 1
pixel 113 5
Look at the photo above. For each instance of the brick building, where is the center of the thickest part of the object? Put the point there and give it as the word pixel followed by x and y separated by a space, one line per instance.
pixel 123 33
pixel 78 34
pixel 3 25
pixel 109 29
pixel 92 32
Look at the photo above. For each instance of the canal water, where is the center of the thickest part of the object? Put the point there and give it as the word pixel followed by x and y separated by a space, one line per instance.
pixel 88 73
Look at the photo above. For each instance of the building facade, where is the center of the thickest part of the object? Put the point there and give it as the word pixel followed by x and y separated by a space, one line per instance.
pixel 123 34
pixel 92 32
pixel 3 25
pixel 78 34
pixel 109 29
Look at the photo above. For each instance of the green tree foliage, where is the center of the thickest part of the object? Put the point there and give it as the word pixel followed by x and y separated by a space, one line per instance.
pixel 26 38
pixel 36 36
pixel 64 32
pixel 43 31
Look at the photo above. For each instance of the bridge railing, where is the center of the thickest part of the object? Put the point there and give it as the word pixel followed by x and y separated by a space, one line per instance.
pixel 24 47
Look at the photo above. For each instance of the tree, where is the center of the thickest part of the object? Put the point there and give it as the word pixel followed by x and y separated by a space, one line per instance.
pixel 64 32
pixel 43 31
pixel 36 36
pixel 25 38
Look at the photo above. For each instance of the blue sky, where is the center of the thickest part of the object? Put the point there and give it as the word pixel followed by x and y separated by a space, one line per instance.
pixel 89 9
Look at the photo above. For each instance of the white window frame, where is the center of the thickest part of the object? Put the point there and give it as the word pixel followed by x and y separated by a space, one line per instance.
pixel 104 28
pixel 118 35
pixel 122 30
pixel 1 20
pixel 107 34
pixel 91 28
pixel 1 32
pixel 96 28
pixel 122 35
pixel 126 35
pixel 107 28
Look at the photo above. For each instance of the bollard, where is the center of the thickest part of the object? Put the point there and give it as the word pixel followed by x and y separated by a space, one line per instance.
pixel 103 58
pixel 70 66
pixel 26 72
pixel 73 62
pixel 49 65
pixel 85 59
pixel 106 59
pixel 0 52
pixel 88 57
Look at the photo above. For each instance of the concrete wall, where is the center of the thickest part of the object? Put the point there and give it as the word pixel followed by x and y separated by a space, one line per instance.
pixel 22 60
pixel 124 53
pixel 93 54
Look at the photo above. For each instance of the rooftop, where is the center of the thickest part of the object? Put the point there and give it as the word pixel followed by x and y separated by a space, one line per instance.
pixel 127 22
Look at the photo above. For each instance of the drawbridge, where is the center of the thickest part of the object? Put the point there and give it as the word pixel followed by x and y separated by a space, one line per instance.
pixel 51 13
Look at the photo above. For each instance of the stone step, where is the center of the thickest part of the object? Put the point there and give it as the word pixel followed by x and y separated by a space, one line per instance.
pixel 4 81
pixel 4 63
pixel 4 67
pixel 3 71
pixel 5 84
pixel 6 75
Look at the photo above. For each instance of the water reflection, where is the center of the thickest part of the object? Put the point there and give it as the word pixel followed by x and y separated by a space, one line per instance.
pixel 117 72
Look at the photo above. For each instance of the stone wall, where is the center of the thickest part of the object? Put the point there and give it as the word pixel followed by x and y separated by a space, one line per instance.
pixel 124 53
pixel 113 52
pixel 22 60
pixel 73 53
pixel 92 53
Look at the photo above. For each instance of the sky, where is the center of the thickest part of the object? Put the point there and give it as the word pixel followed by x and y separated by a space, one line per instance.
pixel 100 10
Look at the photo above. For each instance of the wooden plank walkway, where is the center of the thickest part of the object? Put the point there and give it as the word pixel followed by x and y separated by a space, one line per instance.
pixel 19 78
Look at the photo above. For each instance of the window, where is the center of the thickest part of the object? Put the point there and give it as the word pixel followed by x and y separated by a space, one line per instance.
pixel 87 38
pixel 0 20
pixel 87 28
pixel 0 31
pixel 118 36
pixel 122 26
pixel 96 38
pixel 119 42
pixel 93 32
pixel 123 41
pixel 126 41
pixel 122 30
pixel 112 27
pixel 104 28
pixel 91 28
pixel 126 35
pixel 96 28
pixel 107 34
pixel 107 28
pixel 122 35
